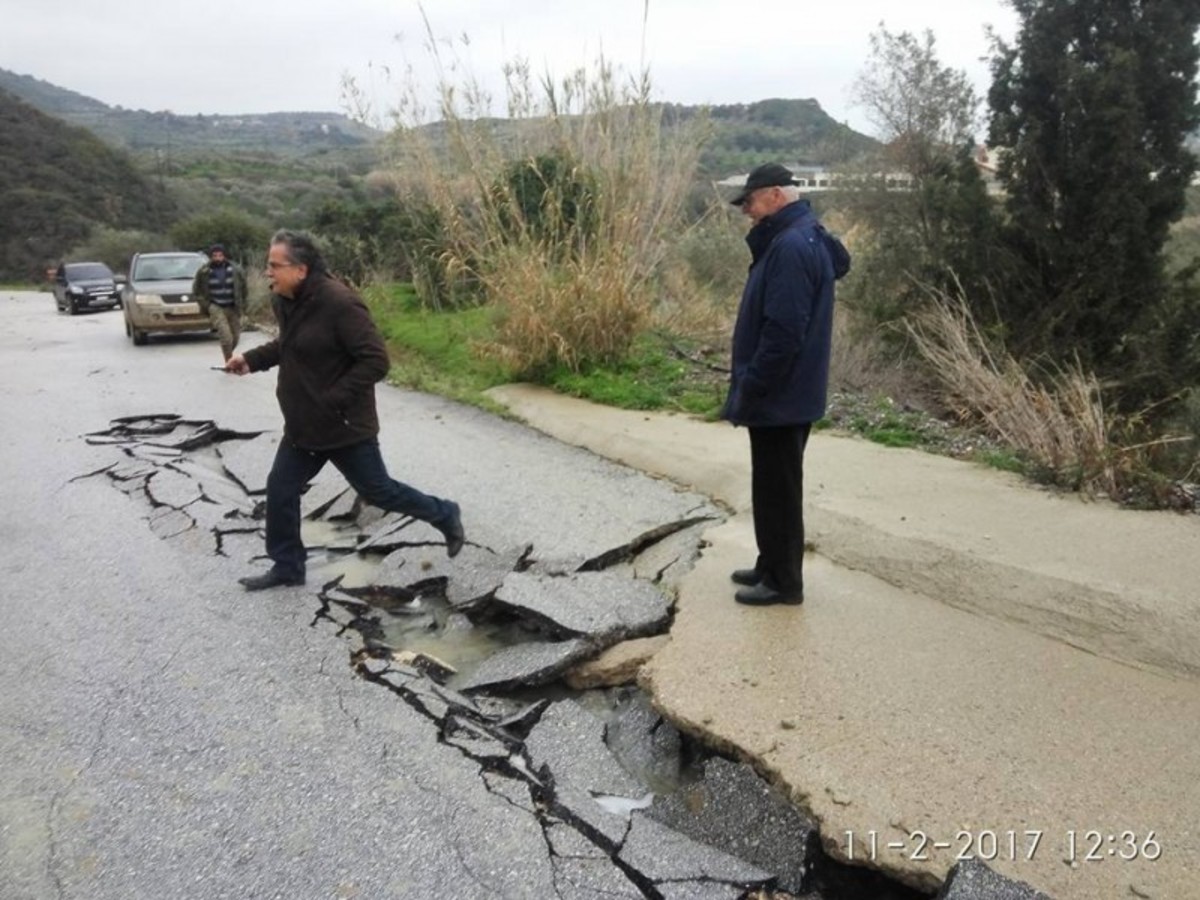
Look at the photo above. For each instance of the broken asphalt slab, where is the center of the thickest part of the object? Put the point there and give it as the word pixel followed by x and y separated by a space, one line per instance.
pixel 605 607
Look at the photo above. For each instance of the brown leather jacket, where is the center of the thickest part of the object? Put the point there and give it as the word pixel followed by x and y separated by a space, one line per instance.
pixel 330 354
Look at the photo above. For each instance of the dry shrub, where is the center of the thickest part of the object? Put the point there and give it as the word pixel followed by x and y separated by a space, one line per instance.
pixel 574 275
pixel 860 362
pixel 579 309
pixel 1058 422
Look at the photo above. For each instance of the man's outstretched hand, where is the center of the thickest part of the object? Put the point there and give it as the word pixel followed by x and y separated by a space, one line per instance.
pixel 237 365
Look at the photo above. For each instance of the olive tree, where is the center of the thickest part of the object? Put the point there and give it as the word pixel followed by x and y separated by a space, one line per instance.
pixel 920 202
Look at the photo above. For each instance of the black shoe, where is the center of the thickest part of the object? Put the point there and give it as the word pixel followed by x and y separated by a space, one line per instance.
pixel 269 579
pixel 455 536
pixel 748 577
pixel 765 595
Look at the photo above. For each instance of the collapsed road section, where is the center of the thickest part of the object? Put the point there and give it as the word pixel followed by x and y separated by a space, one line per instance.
pixel 485 648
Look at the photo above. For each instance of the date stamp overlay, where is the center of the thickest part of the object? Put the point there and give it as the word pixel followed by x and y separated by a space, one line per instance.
pixel 1072 846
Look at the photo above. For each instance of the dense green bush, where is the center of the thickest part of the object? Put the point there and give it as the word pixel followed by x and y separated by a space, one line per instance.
pixel 114 247
pixel 244 238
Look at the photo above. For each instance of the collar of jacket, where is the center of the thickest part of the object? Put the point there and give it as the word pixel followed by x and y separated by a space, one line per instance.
pixel 308 286
pixel 760 236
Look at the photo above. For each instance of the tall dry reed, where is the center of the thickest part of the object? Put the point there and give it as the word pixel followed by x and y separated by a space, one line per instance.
pixel 1058 422
pixel 573 275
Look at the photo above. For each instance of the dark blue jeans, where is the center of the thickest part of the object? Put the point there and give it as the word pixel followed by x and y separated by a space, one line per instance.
pixel 362 465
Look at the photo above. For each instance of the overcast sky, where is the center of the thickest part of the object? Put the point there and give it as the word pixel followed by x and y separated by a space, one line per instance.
pixel 272 56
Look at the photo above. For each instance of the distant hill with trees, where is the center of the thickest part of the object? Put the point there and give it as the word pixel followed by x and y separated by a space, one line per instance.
pixel 786 130
pixel 282 134
pixel 57 183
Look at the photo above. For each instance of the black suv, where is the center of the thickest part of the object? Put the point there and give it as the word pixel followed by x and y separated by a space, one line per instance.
pixel 85 285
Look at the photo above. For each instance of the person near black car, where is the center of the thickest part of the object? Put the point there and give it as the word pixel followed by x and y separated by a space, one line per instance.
pixel 330 355
pixel 780 371
pixel 220 289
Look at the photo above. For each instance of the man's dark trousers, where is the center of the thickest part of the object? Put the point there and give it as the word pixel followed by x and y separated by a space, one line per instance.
pixel 363 467
pixel 777 488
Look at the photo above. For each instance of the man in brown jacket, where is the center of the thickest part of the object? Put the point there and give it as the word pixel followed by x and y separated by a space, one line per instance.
pixel 329 354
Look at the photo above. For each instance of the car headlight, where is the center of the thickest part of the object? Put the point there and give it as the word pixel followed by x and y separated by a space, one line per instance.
pixel 75 289
pixel 147 299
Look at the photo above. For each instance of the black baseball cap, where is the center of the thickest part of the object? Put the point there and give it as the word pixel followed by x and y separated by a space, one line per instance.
pixel 216 248
pixel 766 175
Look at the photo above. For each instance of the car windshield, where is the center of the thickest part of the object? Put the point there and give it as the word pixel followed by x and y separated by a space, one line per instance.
pixel 167 268
pixel 88 270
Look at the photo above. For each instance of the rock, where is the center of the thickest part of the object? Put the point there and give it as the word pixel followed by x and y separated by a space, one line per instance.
pixel 166 487
pixel 664 855
pixel 346 506
pixel 570 740
pixel 476 741
pixel 249 462
pixel 699 890
pixel 639 544
pixel 425 664
pixel 973 880
pixel 526 664
pixel 386 534
pixel 323 491
pixel 668 560
pixel 643 741
pixel 472 577
pixel 582 870
pixel 733 808
pixel 133 469
pixel 168 523
pixel 617 665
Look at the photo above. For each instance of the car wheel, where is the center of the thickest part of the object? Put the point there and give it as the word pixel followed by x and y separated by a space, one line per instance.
pixel 72 306
pixel 139 337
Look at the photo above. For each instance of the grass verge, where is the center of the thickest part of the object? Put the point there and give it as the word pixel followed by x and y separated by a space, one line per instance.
pixel 438 352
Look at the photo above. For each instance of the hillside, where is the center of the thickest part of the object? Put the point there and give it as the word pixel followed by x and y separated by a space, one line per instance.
pixel 57 182
pixel 282 134
pixel 746 134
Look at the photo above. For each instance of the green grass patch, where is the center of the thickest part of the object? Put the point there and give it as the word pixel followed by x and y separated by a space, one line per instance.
pixel 660 373
pixel 894 435
pixel 1005 460
pixel 892 428
pixel 438 352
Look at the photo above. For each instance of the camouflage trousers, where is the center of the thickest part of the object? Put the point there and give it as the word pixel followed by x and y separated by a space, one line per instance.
pixel 227 323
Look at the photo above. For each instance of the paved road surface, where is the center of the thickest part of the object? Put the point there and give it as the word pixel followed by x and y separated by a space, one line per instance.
pixel 164 734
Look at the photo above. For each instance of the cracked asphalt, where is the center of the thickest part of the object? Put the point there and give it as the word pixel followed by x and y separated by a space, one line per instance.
pixel 165 734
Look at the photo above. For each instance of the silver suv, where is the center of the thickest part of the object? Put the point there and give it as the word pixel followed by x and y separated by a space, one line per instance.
pixel 158 295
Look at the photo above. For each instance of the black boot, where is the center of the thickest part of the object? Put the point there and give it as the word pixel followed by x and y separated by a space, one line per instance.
pixel 273 577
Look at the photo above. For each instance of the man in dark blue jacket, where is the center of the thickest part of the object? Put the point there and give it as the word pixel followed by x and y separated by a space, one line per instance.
pixel 780 373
